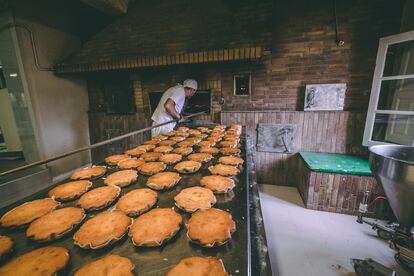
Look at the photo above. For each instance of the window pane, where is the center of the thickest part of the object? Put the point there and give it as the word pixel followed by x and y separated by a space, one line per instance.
pixel 399 59
pixel 397 129
pixel 397 95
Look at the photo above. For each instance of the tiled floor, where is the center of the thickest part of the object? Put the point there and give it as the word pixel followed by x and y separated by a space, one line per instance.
pixel 308 242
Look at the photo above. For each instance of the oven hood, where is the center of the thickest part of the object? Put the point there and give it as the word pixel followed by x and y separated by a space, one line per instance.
pixel 166 33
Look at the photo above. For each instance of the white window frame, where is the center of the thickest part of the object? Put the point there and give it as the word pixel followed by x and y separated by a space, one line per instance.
pixel 376 86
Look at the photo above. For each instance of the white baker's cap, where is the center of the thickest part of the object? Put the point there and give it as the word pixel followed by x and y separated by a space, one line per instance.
pixel 190 83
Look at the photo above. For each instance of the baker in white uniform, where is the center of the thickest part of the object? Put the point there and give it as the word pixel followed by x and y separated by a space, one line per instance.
pixel 171 105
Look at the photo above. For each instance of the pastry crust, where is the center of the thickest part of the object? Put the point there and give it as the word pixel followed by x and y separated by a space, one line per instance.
pixel 217 183
pixel 198 266
pixel 195 198
pixel 6 245
pixel 99 198
pixel 229 144
pixel 230 151
pixel 185 144
pixel 187 166
pixel 183 129
pixel 204 129
pixel 137 201
pixel 177 138
pixel 121 178
pixel 114 159
pixel 231 160
pixel 70 190
pixel 102 230
pixel 109 265
pixel 163 180
pixel 200 157
pixel 55 224
pixel 89 173
pixel 39 262
pixel 210 227
pixel 212 151
pixel 167 143
pixel 146 147
pixel 171 158
pixel 155 227
pixel 184 151
pixel 130 163
pixel 160 137
pixel 151 156
pixel 28 212
pixel 151 142
pixel 223 170
pixel 163 149
pixel 135 152
pixel 206 143
pixel 151 168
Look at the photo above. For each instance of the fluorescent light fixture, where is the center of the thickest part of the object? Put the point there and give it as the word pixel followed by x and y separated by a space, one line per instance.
pixel 13 75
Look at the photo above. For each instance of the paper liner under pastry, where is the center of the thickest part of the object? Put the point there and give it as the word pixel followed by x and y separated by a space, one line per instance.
pixel 214 244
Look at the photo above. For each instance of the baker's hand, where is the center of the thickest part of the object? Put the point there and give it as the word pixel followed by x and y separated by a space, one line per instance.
pixel 180 119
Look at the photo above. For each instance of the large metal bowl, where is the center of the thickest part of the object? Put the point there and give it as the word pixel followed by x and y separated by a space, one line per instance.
pixel 393 167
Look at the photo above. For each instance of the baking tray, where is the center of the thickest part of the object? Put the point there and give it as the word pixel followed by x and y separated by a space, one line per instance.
pixel 158 260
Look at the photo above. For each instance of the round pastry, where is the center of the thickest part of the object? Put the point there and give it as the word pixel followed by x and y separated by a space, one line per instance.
pixel 211 151
pixel 217 183
pixel 183 129
pixel 170 133
pixel 114 159
pixel 89 173
pixel 39 262
pixel 210 227
pixel 182 134
pixel 171 158
pixel 184 151
pixel 155 227
pixel 130 163
pixel 109 265
pixel 137 201
pixel 163 180
pixel 206 266
pixel 135 152
pixel 160 137
pixel 151 168
pixel 187 166
pixel 200 157
pixel 223 170
pixel 151 142
pixel 177 138
pixel 99 198
pixel 194 198
pixel 103 229
pixel 6 245
pixel 185 144
pixel 230 151
pixel 121 178
pixel 167 143
pixel 229 137
pixel 70 190
pixel 206 144
pixel 163 149
pixel 203 129
pixel 55 224
pixel 146 148
pixel 229 144
pixel 193 131
pixel 151 156
pixel 214 139
pixel 28 212
pixel 232 132
pixel 194 140
pixel 231 160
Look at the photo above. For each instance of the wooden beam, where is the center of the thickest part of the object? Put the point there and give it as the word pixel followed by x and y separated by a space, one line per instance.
pixel 109 7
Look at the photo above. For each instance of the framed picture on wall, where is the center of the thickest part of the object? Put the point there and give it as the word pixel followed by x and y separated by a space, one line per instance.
pixel 242 84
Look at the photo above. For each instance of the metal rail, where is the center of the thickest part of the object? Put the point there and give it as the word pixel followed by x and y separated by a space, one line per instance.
pixel 93 146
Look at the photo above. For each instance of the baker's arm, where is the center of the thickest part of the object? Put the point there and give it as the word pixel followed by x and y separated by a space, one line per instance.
pixel 170 108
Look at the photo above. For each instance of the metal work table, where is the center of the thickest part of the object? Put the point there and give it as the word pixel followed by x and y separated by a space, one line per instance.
pixel 244 254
